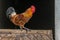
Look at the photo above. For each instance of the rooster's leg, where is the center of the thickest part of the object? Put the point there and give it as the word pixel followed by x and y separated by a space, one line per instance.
pixel 26 29
pixel 21 28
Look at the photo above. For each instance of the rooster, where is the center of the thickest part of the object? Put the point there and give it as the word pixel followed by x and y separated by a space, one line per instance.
pixel 22 18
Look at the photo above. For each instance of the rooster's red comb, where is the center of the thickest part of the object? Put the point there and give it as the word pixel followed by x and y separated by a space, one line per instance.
pixel 33 8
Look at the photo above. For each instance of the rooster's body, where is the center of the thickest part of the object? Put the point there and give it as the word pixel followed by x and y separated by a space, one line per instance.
pixel 20 19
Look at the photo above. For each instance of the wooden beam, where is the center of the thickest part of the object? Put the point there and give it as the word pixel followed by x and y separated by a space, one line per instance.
pixel 14 34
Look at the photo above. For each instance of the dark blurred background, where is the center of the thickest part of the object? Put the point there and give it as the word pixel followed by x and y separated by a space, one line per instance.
pixel 42 19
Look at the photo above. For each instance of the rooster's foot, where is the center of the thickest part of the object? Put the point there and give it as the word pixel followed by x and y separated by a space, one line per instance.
pixel 27 30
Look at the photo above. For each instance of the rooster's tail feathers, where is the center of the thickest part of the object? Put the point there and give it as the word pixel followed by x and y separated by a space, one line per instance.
pixel 9 11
